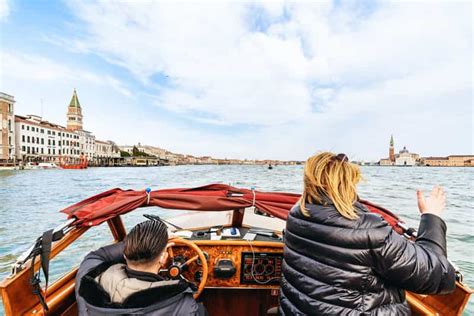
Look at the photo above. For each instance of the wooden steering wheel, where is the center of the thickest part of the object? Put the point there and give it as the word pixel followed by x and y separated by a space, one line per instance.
pixel 175 269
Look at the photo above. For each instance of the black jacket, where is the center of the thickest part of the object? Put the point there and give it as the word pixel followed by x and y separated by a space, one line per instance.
pixel 336 266
pixel 173 298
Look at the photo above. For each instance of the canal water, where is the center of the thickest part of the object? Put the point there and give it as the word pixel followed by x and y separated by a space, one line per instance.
pixel 30 201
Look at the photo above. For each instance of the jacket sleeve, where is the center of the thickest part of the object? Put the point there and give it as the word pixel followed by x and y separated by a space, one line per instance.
pixel 420 266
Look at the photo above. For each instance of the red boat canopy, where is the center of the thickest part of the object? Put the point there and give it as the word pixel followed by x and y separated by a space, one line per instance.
pixel 214 197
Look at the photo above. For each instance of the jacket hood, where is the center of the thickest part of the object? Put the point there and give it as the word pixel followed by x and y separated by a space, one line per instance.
pixel 109 287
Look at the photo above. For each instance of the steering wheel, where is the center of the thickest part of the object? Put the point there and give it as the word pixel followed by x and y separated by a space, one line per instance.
pixel 176 268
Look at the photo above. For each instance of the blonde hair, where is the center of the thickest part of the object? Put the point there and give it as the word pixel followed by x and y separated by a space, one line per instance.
pixel 334 177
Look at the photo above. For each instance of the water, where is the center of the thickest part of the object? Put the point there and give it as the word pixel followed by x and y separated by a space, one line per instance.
pixel 30 201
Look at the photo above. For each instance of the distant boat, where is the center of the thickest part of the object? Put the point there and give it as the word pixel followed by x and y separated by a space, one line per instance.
pixel 47 165
pixel 270 167
pixel 31 166
pixel 66 165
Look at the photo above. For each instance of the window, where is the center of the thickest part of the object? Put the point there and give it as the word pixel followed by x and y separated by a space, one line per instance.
pixel 42 131
pixel 59 143
pixel 32 150
pixel 42 151
pixel 28 139
pixel 23 138
pixel 42 141
pixel 54 142
pixel 49 151
pixel 28 149
pixel 49 132
pixel 32 139
pixel 23 148
pixel 27 128
pixel 54 151
pixel 37 140
pixel 54 133
pixel 9 140
pixel 22 126
pixel 10 125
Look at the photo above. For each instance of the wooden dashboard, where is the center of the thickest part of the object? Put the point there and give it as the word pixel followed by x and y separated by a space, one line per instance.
pixel 262 263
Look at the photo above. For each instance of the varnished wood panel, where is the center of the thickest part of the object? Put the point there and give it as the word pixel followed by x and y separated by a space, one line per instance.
pixel 447 305
pixel 226 250
pixel 239 302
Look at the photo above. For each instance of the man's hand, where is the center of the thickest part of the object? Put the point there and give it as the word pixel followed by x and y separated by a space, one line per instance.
pixel 434 204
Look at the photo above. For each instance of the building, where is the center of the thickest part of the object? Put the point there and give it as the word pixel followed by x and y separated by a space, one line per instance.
pixel 38 140
pixel 87 142
pixel 403 158
pixel 391 150
pixel 74 114
pixel 7 130
pixel 106 153
pixel 41 141
pixel 449 161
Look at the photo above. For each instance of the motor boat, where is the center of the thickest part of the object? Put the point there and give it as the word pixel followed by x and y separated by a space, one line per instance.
pixel 47 165
pixel 228 241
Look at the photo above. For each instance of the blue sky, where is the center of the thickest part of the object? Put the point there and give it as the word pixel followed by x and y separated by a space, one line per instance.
pixel 248 79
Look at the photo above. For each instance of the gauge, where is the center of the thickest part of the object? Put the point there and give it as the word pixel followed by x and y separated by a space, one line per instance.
pixel 198 276
pixel 269 269
pixel 259 269
pixel 198 261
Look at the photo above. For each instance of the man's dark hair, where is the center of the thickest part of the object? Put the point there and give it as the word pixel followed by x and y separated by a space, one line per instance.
pixel 146 241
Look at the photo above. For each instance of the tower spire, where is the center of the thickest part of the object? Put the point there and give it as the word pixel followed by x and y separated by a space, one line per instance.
pixel 391 140
pixel 74 100
pixel 74 113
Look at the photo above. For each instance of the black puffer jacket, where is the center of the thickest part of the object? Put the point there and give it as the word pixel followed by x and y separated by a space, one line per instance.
pixel 336 266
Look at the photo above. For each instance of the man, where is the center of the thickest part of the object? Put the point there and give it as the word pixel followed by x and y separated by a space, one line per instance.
pixel 123 278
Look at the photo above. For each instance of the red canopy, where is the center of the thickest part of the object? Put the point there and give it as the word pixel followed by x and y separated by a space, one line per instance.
pixel 214 197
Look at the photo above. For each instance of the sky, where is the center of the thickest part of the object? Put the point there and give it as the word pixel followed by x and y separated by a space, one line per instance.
pixel 248 79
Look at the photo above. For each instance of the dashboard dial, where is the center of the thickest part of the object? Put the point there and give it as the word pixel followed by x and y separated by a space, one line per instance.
pixel 198 261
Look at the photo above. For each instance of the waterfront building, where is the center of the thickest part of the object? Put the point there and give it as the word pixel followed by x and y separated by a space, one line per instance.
pixel 42 141
pixel 449 161
pixel 106 153
pixel 87 141
pixel 7 130
pixel 38 140
pixel 405 158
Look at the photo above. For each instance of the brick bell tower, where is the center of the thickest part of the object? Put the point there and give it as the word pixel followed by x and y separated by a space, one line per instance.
pixel 74 113
pixel 391 150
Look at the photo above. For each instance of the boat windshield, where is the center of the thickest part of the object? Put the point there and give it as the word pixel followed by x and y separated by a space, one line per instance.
pixel 197 219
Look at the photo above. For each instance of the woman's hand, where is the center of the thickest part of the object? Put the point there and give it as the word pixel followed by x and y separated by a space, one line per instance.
pixel 434 204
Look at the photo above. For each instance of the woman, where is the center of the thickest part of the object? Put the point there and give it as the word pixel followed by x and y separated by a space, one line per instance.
pixel 340 259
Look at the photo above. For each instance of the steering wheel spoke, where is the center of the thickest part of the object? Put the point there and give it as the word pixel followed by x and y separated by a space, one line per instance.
pixel 176 270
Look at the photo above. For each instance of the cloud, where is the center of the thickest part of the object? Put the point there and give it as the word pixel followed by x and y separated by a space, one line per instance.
pixel 4 10
pixel 38 68
pixel 290 77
